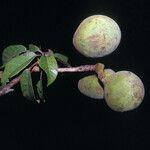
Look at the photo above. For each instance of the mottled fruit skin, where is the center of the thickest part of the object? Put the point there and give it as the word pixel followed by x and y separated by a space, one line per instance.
pixel 90 87
pixel 97 36
pixel 107 73
pixel 124 91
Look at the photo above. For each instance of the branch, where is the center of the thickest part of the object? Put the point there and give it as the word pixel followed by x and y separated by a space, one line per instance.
pixel 7 88
pixel 34 68
pixel 78 69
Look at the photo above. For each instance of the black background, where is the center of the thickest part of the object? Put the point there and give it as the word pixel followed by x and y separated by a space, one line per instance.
pixel 69 120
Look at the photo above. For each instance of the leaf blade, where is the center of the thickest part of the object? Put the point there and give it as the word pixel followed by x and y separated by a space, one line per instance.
pixel 49 65
pixel 62 58
pixel 34 48
pixel 26 85
pixel 14 66
pixel 40 89
pixel 11 52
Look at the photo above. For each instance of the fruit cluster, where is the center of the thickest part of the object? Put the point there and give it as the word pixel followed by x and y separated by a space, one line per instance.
pixel 98 36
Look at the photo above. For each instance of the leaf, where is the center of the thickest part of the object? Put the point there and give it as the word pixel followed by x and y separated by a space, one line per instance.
pixel 49 65
pixel 17 64
pixel 11 52
pixel 62 58
pixel 2 66
pixel 1 74
pixel 26 85
pixel 40 89
pixel 34 48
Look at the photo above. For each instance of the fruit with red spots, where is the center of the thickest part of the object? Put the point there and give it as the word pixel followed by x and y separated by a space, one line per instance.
pixel 124 91
pixel 97 36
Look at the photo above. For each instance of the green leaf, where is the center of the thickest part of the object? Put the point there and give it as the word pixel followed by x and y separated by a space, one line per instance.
pixel 40 89
pixel 14 66
pixel 49 65
pixel 1 74
pixel 11 52
pixel 26 85
pixel 62 58
pixel 34 48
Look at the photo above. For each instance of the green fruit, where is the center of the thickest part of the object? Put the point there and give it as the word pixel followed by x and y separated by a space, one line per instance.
pixel 97 36
pixel 108 72
pixel 124 91
pixel 90 87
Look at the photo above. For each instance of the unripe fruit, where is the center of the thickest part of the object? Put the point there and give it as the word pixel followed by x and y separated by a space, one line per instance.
pixel 90 87
pixel 124 91
pixel 107 73
pixel 97 36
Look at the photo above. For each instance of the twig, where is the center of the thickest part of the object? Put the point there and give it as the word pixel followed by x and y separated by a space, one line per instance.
pixel 34 68
pixel 7 88
pixel 78 69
